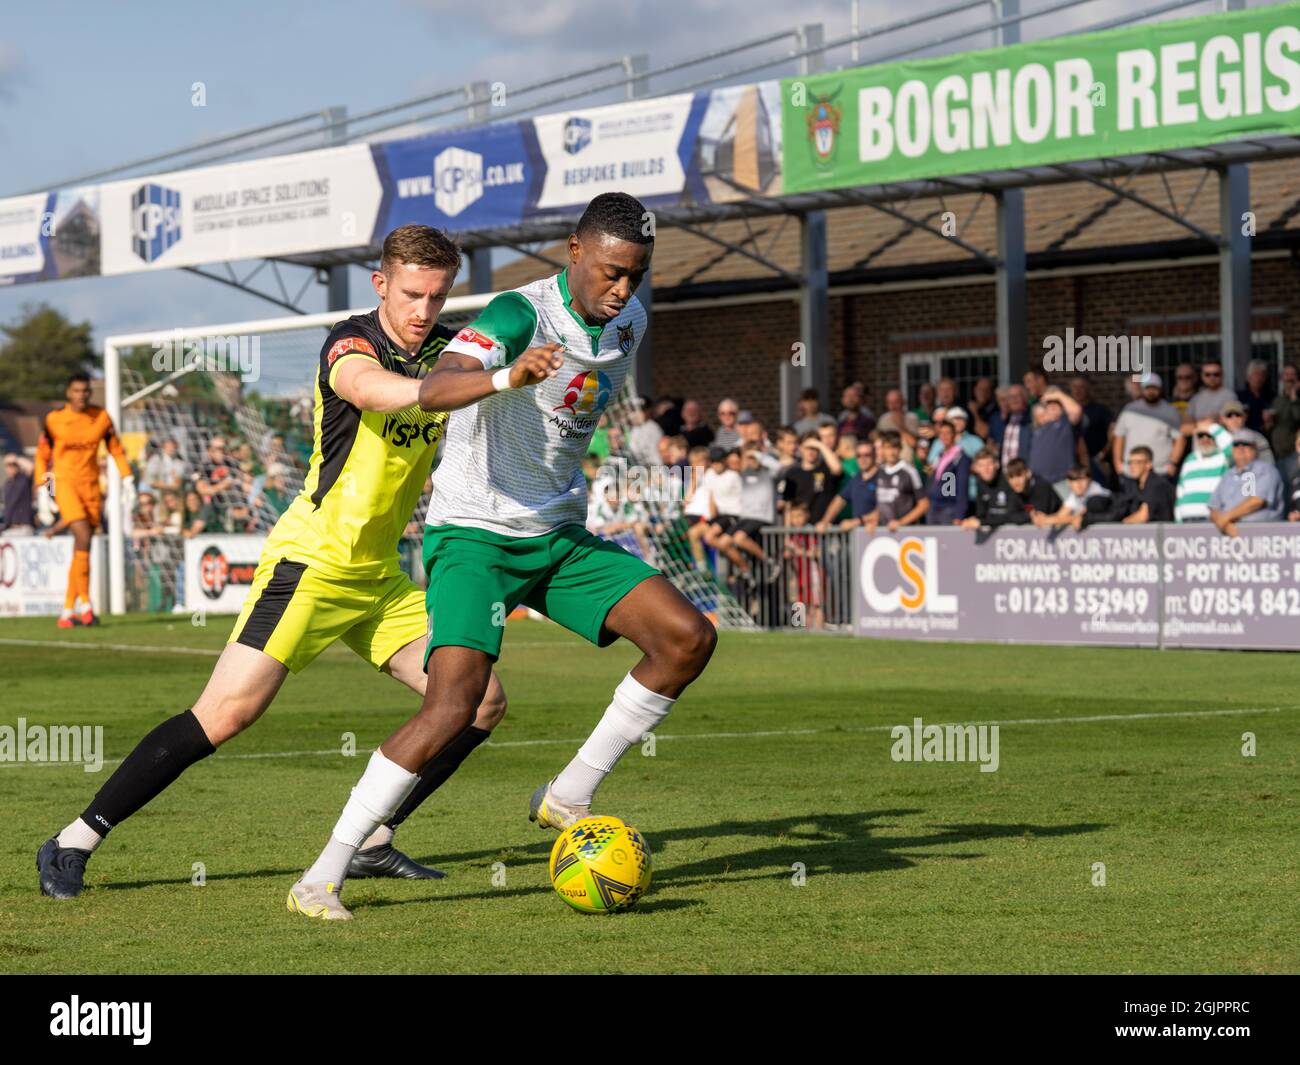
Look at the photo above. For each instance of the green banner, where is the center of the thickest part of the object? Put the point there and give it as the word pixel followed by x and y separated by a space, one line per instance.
pixel 1173 85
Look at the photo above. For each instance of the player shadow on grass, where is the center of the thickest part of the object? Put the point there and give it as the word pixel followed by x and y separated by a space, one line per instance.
pixel 824 843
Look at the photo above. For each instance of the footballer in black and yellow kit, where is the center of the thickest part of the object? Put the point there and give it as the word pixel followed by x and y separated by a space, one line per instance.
pixel 329 570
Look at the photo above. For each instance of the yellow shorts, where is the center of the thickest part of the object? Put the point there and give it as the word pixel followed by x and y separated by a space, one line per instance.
pixel 293 614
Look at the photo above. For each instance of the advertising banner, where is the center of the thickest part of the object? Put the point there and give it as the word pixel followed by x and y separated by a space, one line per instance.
pixel 219 571
pixel 49 235
pixel 34 574
pixel 1132 586
pixel 1126 91
pixel 285 205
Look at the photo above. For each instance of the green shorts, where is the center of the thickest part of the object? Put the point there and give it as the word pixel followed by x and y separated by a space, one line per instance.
pixel 476 578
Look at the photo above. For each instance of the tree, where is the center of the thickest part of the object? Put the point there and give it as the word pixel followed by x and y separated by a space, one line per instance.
pixel 41 350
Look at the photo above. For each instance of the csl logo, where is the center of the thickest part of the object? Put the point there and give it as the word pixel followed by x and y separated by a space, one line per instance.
pixel 216 573
pixel 912 583
pixel 155 220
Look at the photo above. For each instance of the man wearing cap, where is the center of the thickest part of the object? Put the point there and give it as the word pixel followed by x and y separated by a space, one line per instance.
pixel 1149 422
pixel 1250 491
pixel 1233 416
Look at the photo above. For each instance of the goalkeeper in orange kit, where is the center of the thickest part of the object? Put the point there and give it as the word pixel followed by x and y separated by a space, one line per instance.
pixel 68 455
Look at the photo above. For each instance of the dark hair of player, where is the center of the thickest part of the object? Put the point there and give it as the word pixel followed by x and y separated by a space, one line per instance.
pixel 78 378
pixel 417 245
pixel 618 215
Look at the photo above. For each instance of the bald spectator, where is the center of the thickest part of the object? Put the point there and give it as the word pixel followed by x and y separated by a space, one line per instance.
pixel 811 417
pixel 897 419
pixel 1251 491
pixel 1210 398
pixel 1151 423
pixel 728 434
pixel 694 427
pixel 1012 433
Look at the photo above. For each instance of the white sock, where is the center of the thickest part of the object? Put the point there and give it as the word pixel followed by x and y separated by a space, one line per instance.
pixel 378 794
pixel 80 835
pixel 383 834
pixel 635 711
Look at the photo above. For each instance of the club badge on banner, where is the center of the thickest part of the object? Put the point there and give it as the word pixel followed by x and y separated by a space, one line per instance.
pixel 219 571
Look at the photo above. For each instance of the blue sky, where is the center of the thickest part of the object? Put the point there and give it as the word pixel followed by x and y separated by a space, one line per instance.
pixel 88 85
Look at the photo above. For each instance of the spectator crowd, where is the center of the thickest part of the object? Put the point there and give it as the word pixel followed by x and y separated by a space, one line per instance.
pixel 1035 453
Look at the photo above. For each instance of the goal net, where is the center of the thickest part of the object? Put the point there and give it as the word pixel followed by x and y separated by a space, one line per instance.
pixel 218 423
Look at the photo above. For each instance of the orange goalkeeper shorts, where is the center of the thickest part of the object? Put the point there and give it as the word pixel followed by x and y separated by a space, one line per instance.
pixel 79 502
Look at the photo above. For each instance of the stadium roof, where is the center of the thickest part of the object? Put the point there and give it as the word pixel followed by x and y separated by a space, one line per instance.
pixel 1068 224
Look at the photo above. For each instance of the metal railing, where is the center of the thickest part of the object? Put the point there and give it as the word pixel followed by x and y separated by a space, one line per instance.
pixel 809 580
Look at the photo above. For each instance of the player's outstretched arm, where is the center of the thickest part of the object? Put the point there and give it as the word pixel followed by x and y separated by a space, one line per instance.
pixel 368 386
pixel 460 380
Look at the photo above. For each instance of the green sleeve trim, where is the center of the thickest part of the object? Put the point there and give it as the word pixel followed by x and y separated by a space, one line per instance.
pixel 511 320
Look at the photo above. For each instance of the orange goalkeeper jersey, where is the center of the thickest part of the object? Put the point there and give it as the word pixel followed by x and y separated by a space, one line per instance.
pixel 69 447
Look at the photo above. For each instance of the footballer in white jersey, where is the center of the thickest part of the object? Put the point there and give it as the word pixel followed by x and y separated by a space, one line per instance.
pixel 526 383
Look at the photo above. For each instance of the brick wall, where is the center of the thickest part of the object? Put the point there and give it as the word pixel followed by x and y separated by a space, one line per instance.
pixel 737 350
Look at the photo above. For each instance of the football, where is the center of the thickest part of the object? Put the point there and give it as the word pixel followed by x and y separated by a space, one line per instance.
pixel 600 865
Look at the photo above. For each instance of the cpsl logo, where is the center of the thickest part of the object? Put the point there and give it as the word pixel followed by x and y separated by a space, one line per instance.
pixel 823 120
pixel 586 395
pixel 915 561
pixel 423 430
pixel 216 572
pixel 577 134
pixel 77 1018
pixel 155 220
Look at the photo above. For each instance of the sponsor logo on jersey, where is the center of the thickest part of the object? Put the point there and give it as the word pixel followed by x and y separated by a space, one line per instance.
pixel 155 220
pixel 626 338
pixel 586 395
pixel 349 345
pixel 472 336
pixel 216 572
pixel 423 431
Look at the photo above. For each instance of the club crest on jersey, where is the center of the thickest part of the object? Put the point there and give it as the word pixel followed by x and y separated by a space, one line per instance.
pixel 626 338
pixel 348 346
pixel 587 394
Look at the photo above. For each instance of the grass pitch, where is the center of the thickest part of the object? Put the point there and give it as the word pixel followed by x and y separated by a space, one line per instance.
pixel 776 761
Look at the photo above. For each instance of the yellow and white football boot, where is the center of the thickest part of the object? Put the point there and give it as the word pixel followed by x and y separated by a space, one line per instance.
pixel 318 900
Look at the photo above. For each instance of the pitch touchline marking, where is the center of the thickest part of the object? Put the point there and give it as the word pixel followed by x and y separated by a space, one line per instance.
pixel 157 649
pixel 1234 712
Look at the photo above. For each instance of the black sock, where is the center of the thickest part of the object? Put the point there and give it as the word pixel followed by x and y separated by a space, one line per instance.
pixel 157 760
pixel 437 770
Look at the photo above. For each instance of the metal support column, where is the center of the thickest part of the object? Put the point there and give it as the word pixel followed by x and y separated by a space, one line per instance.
pixel 814 287
pixel 337 295
pixel 1010 290
pixel 1234 273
